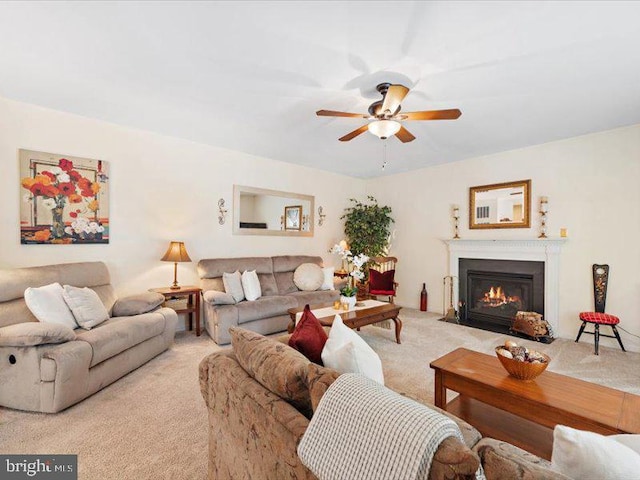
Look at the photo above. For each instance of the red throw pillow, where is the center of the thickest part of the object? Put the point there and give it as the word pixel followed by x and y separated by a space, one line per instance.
pixel 309 337
pixel 381 281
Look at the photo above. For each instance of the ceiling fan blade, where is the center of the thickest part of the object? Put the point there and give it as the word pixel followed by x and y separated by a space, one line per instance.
pixel 405 135
pixel 354 134
pixel 392 99
pixel 333 113
pixel 432 115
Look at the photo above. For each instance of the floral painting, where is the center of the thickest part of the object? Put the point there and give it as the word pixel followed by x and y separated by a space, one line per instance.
pixel 64 199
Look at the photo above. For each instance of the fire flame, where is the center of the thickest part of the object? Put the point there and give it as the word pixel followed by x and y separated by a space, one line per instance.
pixel 496 297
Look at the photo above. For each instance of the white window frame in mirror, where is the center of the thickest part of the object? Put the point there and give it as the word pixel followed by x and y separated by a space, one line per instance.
pixel 238 189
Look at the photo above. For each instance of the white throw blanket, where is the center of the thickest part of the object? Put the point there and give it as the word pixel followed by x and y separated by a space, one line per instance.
pixel 364 431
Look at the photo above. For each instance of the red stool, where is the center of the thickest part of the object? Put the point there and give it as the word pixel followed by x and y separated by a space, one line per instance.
pixel 600 281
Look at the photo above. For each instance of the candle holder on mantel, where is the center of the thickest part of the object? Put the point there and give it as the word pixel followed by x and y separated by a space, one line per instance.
pixel 456 219
pixel 544 209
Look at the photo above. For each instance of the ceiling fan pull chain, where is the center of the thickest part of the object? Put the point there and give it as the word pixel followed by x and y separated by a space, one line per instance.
pixel 384 154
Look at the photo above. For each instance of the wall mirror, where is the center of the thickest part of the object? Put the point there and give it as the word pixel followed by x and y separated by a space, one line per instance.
pixel 258 211
pixel 501 205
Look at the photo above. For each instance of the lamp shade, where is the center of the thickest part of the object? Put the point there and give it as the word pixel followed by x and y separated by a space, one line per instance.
pixel 176 253
pixel 384 128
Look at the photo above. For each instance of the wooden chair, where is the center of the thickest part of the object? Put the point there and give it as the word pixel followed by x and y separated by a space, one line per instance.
pixel 600 283
pixel 382 283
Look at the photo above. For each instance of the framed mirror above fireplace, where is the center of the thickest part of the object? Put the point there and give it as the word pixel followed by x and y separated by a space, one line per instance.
pixel 500 205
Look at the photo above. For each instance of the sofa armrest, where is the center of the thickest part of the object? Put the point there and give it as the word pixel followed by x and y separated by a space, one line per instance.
pixel 215 297
pixel 253 433
pixel 503 461
pixel 218 319
pixel 29 334
pixel 137 304
pixel 44 378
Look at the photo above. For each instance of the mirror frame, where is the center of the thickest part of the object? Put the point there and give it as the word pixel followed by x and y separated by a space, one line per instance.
pixel 238 189
pixel 526 221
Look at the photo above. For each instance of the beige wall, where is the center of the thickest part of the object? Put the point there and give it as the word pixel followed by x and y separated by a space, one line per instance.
pixel 162 189
pixel 593 185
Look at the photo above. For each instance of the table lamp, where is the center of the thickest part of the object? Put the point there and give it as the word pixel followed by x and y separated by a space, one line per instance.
pixel 176 253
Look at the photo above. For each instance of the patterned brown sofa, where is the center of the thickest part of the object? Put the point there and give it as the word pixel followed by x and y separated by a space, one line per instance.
pixel 260 397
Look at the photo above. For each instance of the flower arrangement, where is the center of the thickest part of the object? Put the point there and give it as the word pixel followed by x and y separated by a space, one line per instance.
pixel 355 265
pixel 61 186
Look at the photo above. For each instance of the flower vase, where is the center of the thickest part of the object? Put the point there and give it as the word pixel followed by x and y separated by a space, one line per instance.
pixel 351 301
pixel 57 223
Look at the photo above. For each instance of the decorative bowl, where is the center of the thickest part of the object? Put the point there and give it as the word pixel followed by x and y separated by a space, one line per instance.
pixel 523 370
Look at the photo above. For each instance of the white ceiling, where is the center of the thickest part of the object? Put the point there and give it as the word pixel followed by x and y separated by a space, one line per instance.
pixel 249 76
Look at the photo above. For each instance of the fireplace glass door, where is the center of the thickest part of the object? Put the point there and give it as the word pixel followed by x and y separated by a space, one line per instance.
pixel 498 296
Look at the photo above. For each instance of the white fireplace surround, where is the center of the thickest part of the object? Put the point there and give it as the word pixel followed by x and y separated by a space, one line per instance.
pixel 545 250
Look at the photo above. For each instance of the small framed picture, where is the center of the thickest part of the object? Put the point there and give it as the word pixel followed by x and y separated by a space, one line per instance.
pixel 293 217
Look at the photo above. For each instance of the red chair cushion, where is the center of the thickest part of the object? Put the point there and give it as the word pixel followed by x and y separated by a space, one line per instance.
pixel 382 292
pixel 595 317
pixel 381 283
pixel 309 337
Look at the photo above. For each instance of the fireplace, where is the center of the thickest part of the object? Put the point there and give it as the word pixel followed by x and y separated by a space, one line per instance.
pixel 491 292
pixel 545 251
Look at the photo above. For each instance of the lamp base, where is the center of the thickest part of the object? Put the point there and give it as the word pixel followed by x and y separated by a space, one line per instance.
pixel 175 285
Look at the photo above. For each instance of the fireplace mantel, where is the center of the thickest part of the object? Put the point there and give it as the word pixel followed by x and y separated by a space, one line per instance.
pixel 546 250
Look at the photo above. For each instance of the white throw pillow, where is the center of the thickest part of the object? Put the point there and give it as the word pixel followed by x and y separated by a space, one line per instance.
pixel 251 285
pixel 233 285
pixel 48 306
pixel 327 283
pixel 86 306
pixel 630 440
pixel 346 352
pixel 308 277
pixel 591 456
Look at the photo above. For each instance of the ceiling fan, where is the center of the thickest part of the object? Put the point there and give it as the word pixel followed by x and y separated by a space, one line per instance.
pixel 386 117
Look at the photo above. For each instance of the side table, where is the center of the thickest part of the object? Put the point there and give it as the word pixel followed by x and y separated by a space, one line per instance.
pixel 192 293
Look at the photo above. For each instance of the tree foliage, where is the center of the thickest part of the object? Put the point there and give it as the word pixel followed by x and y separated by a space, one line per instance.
pixel 367 227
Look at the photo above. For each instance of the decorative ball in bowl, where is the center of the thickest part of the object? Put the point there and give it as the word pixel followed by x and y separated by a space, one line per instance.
pixel 520 362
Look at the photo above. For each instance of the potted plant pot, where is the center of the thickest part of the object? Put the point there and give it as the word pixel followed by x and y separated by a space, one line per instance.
pixel 351 301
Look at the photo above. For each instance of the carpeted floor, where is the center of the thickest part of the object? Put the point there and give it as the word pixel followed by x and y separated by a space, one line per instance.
pixel 152 424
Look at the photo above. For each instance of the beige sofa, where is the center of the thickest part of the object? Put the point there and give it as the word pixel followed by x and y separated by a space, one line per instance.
pixel 260 400
pixel 51 377
pixel 266 315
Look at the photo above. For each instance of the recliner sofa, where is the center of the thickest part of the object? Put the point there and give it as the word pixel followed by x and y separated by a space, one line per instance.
pixel 51 377
pixel 266 315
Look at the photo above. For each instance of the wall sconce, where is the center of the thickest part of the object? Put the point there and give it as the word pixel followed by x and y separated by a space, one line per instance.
pixel 456 219
pixel 544 209
pixel 222 212
pixel 321 216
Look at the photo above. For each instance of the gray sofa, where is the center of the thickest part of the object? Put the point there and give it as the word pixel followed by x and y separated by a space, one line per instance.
pixel 51 377
pixel 266 315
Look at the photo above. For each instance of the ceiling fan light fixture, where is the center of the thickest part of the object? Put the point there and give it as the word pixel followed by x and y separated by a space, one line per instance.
pixel 384 128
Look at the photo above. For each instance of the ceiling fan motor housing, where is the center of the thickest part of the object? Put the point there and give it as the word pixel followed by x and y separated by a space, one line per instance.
pixel 375 107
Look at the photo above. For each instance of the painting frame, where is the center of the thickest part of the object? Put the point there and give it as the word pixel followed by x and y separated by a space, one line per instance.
pixel 483 197
pixel 293 217
pixel 64 199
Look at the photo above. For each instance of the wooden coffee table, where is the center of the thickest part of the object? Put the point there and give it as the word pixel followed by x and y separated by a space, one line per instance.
pixel 524 413
pixel 355 318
